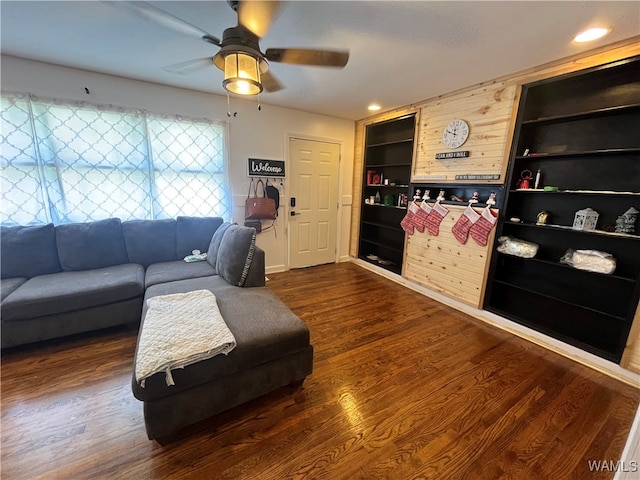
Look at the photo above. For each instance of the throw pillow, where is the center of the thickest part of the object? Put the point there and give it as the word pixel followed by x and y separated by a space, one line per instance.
pixel 150 241
pixel 236 254
pixel 214 245
pixel 84 246
pixel 28 251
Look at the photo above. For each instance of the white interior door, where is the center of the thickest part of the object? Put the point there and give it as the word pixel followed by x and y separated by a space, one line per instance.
pixel 313 221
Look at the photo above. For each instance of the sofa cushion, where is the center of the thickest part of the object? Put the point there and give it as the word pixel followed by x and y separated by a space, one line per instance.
pixel 9 285
pixel 195 233
pixel 83 246
pixel 68 291
pixel 176 270
pixel 214 245
pixel 265 329
pixel 236 254
pixel 28 251
pixel 150 241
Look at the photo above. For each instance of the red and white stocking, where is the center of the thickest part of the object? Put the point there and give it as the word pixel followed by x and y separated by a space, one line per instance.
pixel 479 231
pixel 437 214
pixel 408 222
pixel 421 216
pixel 464 223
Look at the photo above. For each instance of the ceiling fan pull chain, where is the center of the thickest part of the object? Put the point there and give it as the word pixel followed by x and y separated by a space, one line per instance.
pixel 259 106
pixel 228 108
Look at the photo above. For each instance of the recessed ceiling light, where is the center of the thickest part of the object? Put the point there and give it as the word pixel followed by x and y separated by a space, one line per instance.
pixel 591 34
pixel 374 107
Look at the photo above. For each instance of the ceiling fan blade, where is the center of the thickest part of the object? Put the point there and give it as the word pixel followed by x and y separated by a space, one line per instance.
pixel 257 15
pixel 190 66
pixel 302 56
pixel 270 83
pixel 165 19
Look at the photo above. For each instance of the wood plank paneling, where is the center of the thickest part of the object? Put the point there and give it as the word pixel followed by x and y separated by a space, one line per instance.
pixel 488 110
pixel 445 265
pixel 403 387
pixel 631 356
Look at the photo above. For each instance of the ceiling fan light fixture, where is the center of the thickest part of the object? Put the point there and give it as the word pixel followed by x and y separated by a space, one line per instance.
pixel 242 74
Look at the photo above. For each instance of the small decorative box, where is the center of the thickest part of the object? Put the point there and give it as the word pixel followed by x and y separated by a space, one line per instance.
pixel 585 219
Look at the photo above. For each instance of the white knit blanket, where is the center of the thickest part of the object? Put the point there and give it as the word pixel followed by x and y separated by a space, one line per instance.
pixel 179 330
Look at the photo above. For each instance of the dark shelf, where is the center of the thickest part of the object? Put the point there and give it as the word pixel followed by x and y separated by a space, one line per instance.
pixel 392 267
pixel 388 151
pixel 596 276
pixel 394 142
pixel 622 236
pixel 384 206
pixel 572 304
pixel 601 152
pixel 574 192
pixel 388 186
pixel 374 242
pixel 389 165
pixel 383 225
pixel 581 133
pixel 598 112
pixel 569 339
pixel 460 204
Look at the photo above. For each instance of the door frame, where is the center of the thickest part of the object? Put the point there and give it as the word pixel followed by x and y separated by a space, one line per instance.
pixel 288 187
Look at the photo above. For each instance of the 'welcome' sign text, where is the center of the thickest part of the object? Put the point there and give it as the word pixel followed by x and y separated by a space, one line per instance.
pixel 266 168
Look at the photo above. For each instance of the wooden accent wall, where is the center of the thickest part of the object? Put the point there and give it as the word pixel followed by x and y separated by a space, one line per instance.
pixel 489 110
pixel 443 264
pixel 631 356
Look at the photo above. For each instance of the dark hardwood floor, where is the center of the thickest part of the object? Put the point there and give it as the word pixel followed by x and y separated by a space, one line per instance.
pixel 403 387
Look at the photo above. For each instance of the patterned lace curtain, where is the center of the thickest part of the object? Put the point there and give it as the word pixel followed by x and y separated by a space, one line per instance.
pixel 75 162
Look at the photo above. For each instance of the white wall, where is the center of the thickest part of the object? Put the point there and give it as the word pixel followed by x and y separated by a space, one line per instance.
pixel 261 134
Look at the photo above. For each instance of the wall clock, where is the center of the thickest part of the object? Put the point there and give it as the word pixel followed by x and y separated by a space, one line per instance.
pixel 455 134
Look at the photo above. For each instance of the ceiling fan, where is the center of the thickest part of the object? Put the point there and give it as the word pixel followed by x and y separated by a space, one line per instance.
pixel 245 66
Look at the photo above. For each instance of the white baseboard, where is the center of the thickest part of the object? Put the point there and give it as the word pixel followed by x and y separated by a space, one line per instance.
pixel 593 361
pixel 275 269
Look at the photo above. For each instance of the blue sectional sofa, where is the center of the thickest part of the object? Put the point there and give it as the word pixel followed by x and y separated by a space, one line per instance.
pixel 67 279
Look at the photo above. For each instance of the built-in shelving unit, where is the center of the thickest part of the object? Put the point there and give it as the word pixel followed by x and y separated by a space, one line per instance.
pixel 388 156
pixel 581 132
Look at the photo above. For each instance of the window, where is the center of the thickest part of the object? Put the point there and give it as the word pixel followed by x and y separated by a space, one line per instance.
pixel 75 162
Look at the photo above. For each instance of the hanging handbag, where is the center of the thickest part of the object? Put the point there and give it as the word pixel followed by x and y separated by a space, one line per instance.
pixel 259 208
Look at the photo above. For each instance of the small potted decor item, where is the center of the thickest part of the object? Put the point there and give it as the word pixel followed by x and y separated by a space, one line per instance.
pixel 585 219
pixel 626 223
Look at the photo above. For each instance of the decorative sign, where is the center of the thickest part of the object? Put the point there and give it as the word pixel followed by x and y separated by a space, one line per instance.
pixel 460 154
pixel 266 168
pixel 490 176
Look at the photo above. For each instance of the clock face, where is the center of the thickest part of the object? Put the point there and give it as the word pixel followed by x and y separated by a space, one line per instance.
pixel 455 134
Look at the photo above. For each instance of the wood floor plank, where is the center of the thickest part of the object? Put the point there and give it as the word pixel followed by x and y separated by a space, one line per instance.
pixel 403 387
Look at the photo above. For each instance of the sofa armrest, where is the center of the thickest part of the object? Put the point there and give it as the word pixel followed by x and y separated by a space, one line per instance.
pixel 255 277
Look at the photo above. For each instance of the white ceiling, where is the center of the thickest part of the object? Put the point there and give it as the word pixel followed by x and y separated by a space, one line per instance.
pixel 401 52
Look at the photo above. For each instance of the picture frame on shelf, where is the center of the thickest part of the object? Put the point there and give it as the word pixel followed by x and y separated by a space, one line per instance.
pixel 374 177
